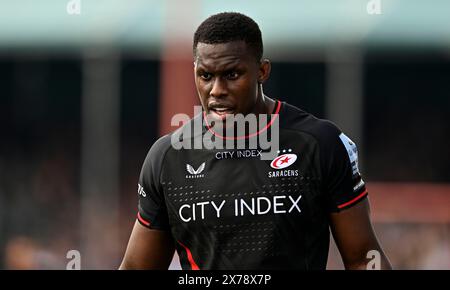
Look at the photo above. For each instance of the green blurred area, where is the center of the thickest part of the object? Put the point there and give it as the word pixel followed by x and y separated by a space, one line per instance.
pixel 138 24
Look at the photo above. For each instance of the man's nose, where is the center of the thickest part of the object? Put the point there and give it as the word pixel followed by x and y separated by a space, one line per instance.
pixel 219 88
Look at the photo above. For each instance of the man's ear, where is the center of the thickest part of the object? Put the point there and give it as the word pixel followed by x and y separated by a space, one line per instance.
pixel 264 70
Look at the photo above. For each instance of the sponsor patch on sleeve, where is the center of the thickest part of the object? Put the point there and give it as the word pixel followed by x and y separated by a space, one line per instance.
pixel 352 152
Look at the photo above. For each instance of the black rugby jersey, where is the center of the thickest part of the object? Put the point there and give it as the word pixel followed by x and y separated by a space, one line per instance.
pixel 228 209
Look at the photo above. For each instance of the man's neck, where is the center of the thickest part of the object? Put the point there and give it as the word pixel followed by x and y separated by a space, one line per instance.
pixel 264 105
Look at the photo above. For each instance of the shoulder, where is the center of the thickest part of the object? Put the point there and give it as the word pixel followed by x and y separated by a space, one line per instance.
pixel 156 154
pixel 160 146
pixel 173 140
pixel 324 131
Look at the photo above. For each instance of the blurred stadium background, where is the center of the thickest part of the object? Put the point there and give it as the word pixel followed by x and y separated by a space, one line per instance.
pixel 83 97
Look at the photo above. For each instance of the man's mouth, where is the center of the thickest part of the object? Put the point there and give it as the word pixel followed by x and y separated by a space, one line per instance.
pixel 221 111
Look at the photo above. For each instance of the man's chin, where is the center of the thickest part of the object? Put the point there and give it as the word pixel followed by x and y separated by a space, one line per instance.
pixel 218 122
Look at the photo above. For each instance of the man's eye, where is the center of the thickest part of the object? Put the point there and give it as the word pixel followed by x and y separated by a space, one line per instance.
pixel 205 76
pixel 232 75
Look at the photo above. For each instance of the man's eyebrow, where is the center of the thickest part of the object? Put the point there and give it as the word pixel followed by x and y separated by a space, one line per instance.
pixel 225 68
pixel 201 68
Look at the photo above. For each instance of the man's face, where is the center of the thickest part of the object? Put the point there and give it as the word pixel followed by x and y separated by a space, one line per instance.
pixel 226 76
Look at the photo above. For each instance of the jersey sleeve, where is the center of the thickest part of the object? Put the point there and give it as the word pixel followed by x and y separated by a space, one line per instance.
pixel 344 186
pixel 152 210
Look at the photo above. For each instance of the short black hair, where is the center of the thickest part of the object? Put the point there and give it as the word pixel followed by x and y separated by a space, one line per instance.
pixel 227 27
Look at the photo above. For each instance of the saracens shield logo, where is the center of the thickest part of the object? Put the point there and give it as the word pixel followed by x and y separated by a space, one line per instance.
pixel 283 161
